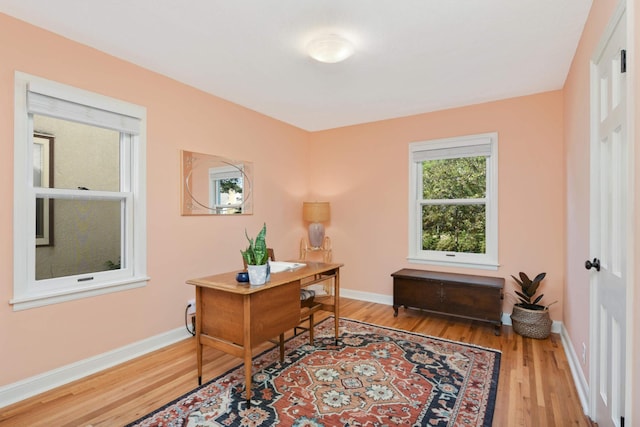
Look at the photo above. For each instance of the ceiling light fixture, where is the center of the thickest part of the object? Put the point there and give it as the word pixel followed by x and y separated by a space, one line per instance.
pixel 330 48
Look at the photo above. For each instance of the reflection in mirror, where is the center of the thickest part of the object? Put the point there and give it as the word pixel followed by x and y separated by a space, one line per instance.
pixel 214 185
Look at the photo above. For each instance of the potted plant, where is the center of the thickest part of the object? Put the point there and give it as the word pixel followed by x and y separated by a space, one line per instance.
pixel 256 257
pixel 529 317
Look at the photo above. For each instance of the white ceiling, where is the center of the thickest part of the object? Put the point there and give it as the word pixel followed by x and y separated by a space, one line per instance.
pixel 412 56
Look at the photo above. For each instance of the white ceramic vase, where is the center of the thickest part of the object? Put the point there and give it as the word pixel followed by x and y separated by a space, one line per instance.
pixel 257 274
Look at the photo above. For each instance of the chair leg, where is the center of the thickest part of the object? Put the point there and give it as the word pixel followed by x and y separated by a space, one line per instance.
pixel 311 329
pixel 281 348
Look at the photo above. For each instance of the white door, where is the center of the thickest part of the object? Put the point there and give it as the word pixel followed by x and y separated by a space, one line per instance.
pixel 609 226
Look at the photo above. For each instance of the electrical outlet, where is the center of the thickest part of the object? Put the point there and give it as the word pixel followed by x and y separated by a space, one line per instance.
pixel 584 354
pixel 192 306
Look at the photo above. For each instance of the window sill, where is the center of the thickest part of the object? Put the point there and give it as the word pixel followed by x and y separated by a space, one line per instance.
pixel 459 264
pixel 42 299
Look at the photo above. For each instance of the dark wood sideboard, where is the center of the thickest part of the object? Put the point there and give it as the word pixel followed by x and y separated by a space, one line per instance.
pixel 460 295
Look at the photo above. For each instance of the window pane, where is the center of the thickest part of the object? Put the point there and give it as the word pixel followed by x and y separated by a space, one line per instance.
pixel 84 157
pixel 228 192
pixel 463 178
pixel 40 223
pixel 88 239
pixel 454 228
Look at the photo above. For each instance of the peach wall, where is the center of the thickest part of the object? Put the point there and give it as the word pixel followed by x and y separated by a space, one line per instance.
pixel 363 171
pixel 179 117
pixel 577 145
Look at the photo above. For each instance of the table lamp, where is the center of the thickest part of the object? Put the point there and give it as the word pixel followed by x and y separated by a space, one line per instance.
pixel 315 213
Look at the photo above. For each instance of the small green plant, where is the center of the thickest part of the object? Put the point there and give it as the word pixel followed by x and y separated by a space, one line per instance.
pixel 112 265
pixel 529 288
pixel 256 253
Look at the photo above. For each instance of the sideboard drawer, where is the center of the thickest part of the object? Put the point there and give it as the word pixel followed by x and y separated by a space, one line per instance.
pixel 426 296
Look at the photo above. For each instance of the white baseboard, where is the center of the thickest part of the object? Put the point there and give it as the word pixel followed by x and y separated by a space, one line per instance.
pixel 32 386
pixel 367 296
pixel 576 372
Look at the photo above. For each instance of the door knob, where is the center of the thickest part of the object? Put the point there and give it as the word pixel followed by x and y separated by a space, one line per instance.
pixel 592 264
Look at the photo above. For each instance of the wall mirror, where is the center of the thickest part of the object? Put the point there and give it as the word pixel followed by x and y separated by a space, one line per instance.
pixel 214 185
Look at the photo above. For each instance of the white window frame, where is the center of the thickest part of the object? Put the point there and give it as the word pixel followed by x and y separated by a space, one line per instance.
pixel 29 292
pixel 451 148
pixel 215 176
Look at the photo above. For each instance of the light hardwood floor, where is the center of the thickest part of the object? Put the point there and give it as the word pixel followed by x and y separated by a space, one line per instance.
pixel 535 385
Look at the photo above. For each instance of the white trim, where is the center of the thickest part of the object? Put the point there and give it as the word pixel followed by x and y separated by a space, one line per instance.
pixel 367 296
pixel 632 90
pixel 29 292
pixel 576 372
pixel 594 232
pixel 444 263
pixel 467 144
pixel 71 295
pixel 80 96
pixel 46 105
pixel 37 384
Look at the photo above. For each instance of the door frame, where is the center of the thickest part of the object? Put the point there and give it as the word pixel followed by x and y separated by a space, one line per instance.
pixel 594 148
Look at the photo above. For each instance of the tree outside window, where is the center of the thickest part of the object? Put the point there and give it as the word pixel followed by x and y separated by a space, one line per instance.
pixel 453 213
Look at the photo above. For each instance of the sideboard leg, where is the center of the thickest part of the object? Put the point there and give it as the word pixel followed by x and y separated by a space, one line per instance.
pixel 395 310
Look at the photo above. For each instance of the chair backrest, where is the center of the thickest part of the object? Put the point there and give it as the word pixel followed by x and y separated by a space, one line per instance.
pixel 270 253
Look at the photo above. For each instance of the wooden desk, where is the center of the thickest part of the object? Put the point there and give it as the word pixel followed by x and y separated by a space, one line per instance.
pixel 234 317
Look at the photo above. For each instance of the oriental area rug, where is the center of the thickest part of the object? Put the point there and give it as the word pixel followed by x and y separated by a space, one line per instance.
pixel 374 376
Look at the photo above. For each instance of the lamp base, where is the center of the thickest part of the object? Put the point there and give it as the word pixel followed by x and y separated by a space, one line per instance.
pixel 316 234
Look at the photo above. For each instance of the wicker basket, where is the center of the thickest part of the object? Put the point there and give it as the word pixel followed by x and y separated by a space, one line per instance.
pixel 531 323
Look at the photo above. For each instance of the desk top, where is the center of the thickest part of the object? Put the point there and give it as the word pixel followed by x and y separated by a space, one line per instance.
pixel 227 281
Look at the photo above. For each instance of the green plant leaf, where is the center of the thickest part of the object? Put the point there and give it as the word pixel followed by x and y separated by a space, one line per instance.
pixel 518 281
pixel 539 277
pixel 525 279
pixel 529 288
pixel 523 296
pixel 256 253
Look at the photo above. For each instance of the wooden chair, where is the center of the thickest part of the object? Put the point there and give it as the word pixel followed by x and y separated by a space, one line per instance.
pixel 307 311
pixel 269 253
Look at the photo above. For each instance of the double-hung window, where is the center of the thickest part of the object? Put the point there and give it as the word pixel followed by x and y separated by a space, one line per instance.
pixel 453 202
pixel 79 193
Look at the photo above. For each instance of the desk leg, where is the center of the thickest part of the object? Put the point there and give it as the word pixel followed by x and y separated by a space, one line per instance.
pixel 281 345
pixel 336 307
pixel 199 331
pixel 247 346
pixel 247 372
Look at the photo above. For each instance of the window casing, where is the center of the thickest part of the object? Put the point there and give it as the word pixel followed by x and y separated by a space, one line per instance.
pixel 38 101
pixel 462 212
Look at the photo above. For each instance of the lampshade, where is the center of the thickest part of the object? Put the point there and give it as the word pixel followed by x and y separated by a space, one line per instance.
pixel 315 211
pixel 330 48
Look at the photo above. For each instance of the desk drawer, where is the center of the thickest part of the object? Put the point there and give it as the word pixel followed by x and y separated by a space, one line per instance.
pixel 274 310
